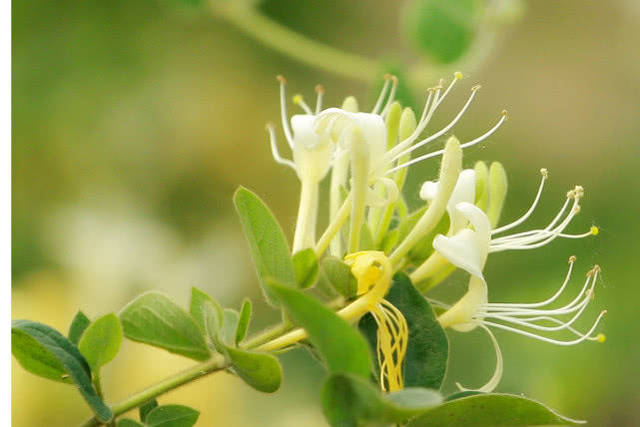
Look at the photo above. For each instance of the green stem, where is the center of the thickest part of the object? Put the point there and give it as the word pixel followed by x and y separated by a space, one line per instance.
pixel 267 335
pixel 295 45
pixel 216 363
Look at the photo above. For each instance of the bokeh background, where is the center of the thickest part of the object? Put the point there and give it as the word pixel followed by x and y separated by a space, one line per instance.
pixel 134 121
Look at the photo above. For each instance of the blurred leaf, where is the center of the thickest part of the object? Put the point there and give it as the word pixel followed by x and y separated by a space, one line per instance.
pixel 229 326
pixel 442 29
pixel 243 322
pixel 269 249
pixel 261 371
pixel 489 410
pixel 195 307
pixel 213 320
pixel 342 348
pixel 128 422
pixel 305 263
pixel 37 359
pixel 390 241
pixel 366 239
pixel 425 362
pixel 154 319
pixel 78 325
pixel 172 416
pixel 146 408
pixel 348 401
pixel 101 341
pixel 339 275
pixel 461 394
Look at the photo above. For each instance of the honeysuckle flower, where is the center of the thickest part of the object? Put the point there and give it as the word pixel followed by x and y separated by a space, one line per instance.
pixel 469 248
pixel 473 310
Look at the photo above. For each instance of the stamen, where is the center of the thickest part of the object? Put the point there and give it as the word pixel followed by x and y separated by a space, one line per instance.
pixel 299 100
pixel 497 374
pixel 465 145
pixel 392 94
pixel 320 93
pixel 274 148
pixel 545 339
pixel 548 301
pixel 283 111
pixel 392 337
pixel 443 130
pixel 524 217
pixel 383 94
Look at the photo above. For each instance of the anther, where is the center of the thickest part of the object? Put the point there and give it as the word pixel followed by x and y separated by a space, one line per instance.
pixel 504 113
pixel 544 172
pixel 457 75
pixel 476 88
pixel 594 230
pixel 572 259
pixel 281 79
pixel 297 98
pixel 597 269
pixel 269 126
pixel 388 76
pixel 601 337
pixel 319 89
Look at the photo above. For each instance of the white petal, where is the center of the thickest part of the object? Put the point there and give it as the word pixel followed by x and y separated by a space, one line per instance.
pixel 478 219
pixel 311 152
pixel 463 251
pixel 464 191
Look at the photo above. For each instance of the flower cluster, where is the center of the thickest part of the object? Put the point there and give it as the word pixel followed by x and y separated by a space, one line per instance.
pixel 366 156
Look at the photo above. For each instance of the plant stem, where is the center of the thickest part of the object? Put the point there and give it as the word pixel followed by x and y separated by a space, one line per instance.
pixel 295 45
pixel 216 363
pixel 267 335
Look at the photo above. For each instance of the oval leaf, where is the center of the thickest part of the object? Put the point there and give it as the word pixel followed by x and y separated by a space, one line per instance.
pixel 229 326
pixel 172 416
pixel 342 348
pixel 261 371
pixel 154 319
pixel 128 422
pixel 488 410
pixel 35 358
pixel 269 248
pixel 348 400
pixel 425 362
pixel 305 264
pixel 67 355
pixel 79 323
pixel 101 341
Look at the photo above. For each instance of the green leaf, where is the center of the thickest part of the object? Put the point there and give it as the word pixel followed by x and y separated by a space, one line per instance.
pixel 442 29
pixel 195 307
pixel 36 359
pixel 269 249
pixel 342 348
pixel 339 275
pixel 213 320
pixel 425 362
pixel 261 371
pixel 243 322
pixel 172 416
pixel 154 319
pixel 348 400
pixel 128 422
pixel 229 326
pixel 146 408
pixel 305 263
pixel 489 410
pixel 101 341
pixel 78 325
pixel 366 239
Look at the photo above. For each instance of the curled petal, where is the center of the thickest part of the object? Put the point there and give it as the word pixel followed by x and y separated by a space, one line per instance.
pixel 497 374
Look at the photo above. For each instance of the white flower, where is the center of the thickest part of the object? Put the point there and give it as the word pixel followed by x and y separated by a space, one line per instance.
pixel 464 191
pixel 468 249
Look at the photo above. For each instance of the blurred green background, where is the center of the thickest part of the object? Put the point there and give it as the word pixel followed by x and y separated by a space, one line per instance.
pixel 134 121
